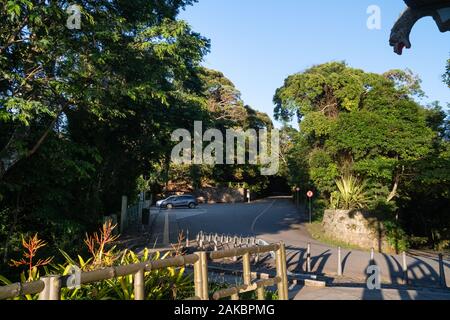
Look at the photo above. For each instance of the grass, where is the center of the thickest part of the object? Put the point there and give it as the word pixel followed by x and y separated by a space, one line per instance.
pixel 317 233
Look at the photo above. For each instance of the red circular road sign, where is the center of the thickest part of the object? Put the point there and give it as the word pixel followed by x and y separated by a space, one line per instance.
pixel 310 194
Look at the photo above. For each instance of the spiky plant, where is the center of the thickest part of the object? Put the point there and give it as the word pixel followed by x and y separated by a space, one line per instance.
pixel 351 193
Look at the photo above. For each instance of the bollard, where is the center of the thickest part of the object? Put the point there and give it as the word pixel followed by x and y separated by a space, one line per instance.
pixel 52 289
pixel 139 285
pixel 187 239
pixel 308 258
pixel 442 279
pixel 405 269
pixel 339 272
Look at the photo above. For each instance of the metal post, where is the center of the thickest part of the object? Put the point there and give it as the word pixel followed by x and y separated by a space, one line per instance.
pixel 261 294
pixel 339 262
pixel 310 211
pixel 405 268
pixel 204 268
pixel 123 215
pixel 52 289
pixel 247 269
pixel 308 258
pixel 442 279
pixel 139 286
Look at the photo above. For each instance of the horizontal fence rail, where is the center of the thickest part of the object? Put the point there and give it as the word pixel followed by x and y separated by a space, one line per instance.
pixel 49 287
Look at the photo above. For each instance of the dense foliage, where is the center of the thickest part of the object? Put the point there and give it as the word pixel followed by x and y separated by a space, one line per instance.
pixel 86 115
pixel 370 126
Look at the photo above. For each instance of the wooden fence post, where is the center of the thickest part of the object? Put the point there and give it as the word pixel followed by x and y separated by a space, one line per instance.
pixel 261 293
pixel 247 269
pixel 284 270
pixel 198 277
pixel 204 266
pixel 123 215
pixel 280 258
pixel 139 285
pixel 52 289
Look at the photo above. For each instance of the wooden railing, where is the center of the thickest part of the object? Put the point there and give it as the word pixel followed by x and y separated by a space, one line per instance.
pixel 49 287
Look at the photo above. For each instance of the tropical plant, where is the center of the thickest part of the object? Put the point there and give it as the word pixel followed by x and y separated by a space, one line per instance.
pixel 31 247
pixel 351 193
pixel 165 284
pixel 98 244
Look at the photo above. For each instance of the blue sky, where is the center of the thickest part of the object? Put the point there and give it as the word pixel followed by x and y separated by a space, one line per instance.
pixel 258 43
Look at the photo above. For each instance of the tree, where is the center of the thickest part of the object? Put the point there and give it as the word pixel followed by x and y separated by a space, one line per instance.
pixel 369 126
pixel 447 74
pixel 84 113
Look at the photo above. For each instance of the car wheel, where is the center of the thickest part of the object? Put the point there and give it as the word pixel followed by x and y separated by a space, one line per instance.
pixel 192 206
pixel 169 206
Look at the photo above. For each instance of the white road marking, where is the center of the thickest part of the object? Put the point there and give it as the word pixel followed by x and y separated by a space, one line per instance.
pixel 189 214
pixel 166 239
pixel 260 215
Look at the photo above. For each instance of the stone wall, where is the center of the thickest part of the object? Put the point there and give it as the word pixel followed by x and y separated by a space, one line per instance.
pixel 356 228
pixel 220 195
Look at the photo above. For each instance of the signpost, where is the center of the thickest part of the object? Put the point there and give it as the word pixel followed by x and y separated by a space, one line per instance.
pixel 310 195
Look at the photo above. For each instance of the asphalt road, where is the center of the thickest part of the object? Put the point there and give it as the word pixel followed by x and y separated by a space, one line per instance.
pixel 277 219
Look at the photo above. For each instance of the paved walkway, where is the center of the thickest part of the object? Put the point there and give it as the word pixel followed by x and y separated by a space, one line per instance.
pixel 289 225
pixel 332 293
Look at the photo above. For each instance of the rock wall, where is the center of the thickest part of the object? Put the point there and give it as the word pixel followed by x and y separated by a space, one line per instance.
pixel 356 228
pixel 220 195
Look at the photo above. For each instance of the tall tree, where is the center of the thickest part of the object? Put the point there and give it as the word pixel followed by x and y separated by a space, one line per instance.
pixel 357 122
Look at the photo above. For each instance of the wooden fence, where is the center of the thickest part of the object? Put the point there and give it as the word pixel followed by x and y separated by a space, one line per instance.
pixel 49 287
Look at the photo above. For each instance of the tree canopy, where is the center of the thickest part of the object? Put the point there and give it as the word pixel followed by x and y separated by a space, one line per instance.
pixel 367 125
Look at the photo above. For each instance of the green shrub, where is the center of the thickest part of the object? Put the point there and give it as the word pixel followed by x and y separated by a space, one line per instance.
pixel 396 236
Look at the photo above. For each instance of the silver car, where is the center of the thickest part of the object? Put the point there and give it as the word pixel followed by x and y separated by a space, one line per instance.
pixel 178 202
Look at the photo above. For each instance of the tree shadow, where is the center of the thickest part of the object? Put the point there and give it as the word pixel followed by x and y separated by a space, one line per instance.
pixel 344 261
pixel 318 262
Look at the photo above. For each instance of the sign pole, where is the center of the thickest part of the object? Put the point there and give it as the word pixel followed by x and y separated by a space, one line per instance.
pixel 310 195
pixel 310 211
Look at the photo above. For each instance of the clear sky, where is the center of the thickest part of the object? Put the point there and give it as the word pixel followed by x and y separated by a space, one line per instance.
pixel 258 43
